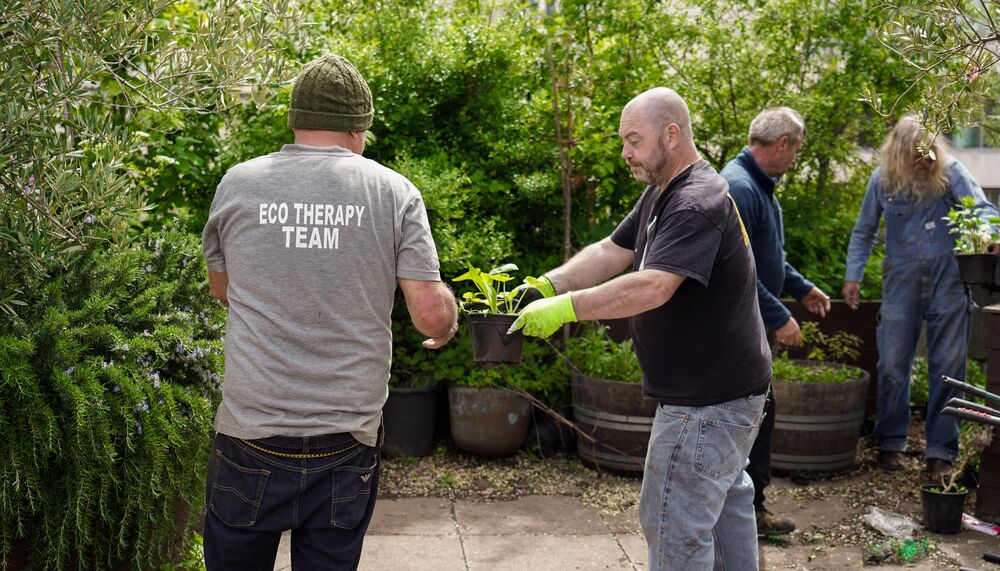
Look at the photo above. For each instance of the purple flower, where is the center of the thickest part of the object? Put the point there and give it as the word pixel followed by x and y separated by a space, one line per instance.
pixel 138 426
pixel 117 389
pixel 149 268
pixel 31 180
pixel 142 407
pixel 70 370
pixel 89 219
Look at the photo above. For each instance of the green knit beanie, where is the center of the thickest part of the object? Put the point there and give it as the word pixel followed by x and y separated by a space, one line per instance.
pixel 330 95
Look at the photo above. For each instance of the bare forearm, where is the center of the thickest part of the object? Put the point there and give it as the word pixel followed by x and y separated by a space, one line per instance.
pixel 626 295
pixel 590 266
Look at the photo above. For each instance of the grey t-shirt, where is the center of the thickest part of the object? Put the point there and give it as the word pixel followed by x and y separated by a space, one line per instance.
pixel 313 239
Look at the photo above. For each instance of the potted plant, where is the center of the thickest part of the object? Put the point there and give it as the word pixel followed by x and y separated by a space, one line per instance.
pixel 973 237
pixel 820 404
pixel 490 311
pixel 606 386
pixel 490 414
pixel 943 502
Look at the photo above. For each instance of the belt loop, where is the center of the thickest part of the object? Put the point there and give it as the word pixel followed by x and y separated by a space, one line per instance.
pixel 305 444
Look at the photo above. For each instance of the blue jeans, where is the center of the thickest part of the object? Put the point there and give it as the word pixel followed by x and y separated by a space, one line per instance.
pixel 325 493
pixel 696 504
pixel 913 291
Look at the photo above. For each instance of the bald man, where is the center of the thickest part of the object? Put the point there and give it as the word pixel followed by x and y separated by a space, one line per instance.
pixel 692 302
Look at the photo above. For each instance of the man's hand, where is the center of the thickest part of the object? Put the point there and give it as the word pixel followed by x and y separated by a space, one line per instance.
pixel 816 302
pixel 438 342
pixel 789 335
pixel 852 294
pixel 532 290
pixel 544 317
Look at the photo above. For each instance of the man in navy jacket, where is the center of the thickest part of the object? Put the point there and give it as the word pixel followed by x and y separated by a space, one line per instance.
pixel 776 135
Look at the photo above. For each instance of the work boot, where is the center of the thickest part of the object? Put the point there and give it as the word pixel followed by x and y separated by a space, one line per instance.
pixel 893 461
pixel 938 468
pixel 767 524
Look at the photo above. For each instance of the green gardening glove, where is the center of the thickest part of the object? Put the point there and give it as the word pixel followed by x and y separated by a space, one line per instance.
pixel 531 290
pixel 544 317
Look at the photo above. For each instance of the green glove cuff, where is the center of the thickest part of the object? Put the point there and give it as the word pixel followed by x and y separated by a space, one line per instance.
pixel 563 303
pixel 545 286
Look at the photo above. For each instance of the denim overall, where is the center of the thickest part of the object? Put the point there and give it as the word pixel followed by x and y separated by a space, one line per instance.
pixel 920 282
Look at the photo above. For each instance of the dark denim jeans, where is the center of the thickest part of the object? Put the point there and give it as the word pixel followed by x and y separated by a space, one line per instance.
pixel 759 468
pixel 323 488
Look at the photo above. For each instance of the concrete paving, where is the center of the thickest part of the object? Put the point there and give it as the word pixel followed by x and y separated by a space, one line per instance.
pixel 563 533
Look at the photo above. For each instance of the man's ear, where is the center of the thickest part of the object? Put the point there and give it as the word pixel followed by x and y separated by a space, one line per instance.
pixel 673 134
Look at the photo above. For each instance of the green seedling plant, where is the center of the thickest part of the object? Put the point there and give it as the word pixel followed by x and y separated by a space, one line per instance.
pixel 492 296
pixel 973 233
pixel 826 353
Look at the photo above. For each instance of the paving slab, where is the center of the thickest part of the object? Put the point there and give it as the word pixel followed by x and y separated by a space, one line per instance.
pixel 634 547
pixel 550 515
pixel 530 552
pixel 412 553
pixel 625 522
pixel 412 516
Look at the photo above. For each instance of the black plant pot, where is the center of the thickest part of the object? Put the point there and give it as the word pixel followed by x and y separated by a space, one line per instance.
pixel 408 416
pixel 976 268
pixel 942 510
pixel 490 342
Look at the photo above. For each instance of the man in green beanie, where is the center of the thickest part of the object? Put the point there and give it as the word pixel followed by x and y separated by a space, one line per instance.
pixel 306 247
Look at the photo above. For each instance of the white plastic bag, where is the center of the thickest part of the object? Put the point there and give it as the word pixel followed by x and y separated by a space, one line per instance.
pixel 891 524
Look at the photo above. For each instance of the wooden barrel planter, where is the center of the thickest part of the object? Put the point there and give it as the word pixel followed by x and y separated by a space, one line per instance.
pixel 617 417
pixel 817 425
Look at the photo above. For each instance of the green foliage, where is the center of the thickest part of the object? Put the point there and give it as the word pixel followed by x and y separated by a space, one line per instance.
pixel 84 85
pixel 540 372
pixel 596 354
pixel 950 50
pixel 839 347
pixel 109 386
pixel 825 353
pixel 793 371
pixel 492 296
pixel 973 231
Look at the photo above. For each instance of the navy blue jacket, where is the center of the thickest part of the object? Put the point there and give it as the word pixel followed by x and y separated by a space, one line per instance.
pixel 753 192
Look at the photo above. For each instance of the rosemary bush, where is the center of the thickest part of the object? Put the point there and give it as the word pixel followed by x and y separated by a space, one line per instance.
pixel 109 388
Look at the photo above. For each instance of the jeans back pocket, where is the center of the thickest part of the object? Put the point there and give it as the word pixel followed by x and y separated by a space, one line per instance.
pixel 722 448
pixel 351 490
pixel 236 491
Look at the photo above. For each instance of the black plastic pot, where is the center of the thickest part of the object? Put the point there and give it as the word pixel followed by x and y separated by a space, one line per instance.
pixel 976 268
pixel 490 342
pixel 942 511
pixel 408 417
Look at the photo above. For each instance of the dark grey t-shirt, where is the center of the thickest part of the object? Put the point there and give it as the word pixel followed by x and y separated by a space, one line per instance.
pixel 313 240
pixel 707 344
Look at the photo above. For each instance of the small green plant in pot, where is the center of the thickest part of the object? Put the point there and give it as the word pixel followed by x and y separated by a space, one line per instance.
pixel 973 235
pixel 490 311
pixel 819 404
pixel 606 384
pixel 943 502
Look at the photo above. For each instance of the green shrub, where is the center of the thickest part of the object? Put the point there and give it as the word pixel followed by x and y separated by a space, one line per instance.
pixel 825 354
pixel 790 370
pixel 596 354
pixel 540 372
pixel 109 386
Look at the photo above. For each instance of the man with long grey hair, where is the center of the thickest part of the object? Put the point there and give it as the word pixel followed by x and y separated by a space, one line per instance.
pixel 914 188
pixel 776 136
